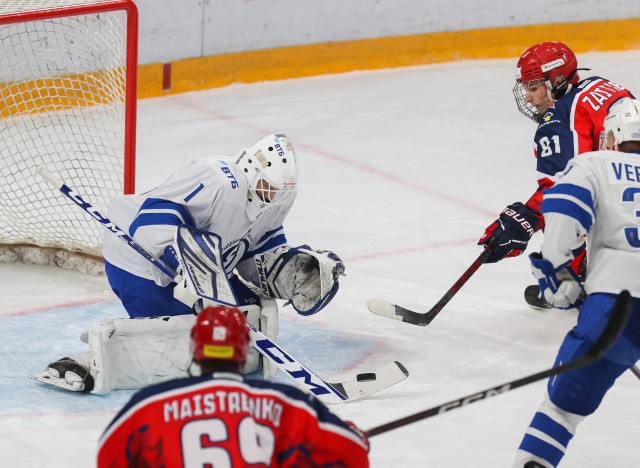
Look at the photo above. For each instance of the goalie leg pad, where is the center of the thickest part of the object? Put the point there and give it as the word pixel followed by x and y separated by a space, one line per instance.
pixel 264 317
pixel 269 327
pixel 252 312
pixel 135 353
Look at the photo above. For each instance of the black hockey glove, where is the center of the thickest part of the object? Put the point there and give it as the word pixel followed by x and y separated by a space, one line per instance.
pixel 510 232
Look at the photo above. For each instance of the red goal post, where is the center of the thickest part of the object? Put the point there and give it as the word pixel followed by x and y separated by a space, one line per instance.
pixel 68 79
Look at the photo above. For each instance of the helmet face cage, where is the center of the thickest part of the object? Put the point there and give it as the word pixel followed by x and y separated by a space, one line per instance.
pixel 271 169
pixel 220 333
pixel 528 108
pixel 622 124
pixel 269 192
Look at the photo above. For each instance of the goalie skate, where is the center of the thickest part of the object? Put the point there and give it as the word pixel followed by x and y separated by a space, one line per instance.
pixel 67 374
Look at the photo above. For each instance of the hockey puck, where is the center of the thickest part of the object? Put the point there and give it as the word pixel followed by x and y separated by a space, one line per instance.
pixel 366 377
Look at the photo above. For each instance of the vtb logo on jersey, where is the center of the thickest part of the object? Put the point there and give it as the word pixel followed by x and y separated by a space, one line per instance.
pixel 227 172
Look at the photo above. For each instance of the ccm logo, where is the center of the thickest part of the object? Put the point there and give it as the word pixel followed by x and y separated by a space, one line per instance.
pixel 476 397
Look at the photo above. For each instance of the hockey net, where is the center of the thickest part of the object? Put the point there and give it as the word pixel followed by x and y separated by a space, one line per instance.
pixel 68 102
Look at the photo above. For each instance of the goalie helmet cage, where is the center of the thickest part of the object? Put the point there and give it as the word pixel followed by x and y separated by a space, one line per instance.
pixel 68 79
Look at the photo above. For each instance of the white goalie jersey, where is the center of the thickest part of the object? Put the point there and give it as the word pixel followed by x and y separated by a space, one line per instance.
pixel 209 194
pixel 598 194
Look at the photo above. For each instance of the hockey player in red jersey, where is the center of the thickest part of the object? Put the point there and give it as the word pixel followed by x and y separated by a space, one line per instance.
pixel 220 419
pixel 570 113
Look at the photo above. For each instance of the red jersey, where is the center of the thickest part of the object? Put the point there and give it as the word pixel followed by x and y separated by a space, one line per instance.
pixel 571 126
pixel 224 421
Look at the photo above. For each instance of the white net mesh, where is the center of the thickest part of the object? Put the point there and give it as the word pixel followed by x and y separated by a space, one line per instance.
pixel 62 105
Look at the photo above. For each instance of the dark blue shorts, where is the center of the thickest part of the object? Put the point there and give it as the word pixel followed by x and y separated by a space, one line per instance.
pixel 581 391
pixel 142 297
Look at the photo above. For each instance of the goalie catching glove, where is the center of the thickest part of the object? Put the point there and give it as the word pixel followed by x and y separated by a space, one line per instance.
pixel 307 278
pixel 561 287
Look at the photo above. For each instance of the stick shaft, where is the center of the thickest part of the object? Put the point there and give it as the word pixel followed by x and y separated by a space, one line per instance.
pixel 617 321
pixel 106 222
pixel 435 310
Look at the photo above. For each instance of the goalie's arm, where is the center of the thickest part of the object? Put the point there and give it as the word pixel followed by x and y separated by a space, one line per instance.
pixel 269 242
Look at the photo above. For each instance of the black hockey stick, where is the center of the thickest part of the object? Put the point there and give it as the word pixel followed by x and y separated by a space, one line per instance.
pixel 619 315
pixel 394 311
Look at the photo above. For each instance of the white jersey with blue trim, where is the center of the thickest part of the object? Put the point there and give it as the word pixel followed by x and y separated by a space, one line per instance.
pixel 598 194
pixel 209 194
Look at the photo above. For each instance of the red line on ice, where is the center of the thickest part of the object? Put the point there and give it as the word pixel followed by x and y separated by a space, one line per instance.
pixel 51 307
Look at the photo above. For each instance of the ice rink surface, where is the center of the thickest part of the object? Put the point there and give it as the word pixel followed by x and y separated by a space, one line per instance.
pixel 401 170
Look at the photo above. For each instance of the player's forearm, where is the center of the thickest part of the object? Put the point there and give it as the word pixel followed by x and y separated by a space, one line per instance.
pixel 560 237
pixel 535 200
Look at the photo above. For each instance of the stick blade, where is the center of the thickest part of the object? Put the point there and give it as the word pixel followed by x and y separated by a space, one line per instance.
pixel 396 312
pixel 368 383
pixel 383 308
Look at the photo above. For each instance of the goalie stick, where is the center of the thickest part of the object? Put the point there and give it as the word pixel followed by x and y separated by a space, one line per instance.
pixel 394 311
pixel 617 321
pixel 362 385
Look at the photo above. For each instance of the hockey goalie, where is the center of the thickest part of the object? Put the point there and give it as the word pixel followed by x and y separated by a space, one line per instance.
pixel 216 223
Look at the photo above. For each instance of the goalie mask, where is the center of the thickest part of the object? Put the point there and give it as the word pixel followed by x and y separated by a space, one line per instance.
pixel 546 71
pixel 622 124
pixel 222 334
pixel 271 169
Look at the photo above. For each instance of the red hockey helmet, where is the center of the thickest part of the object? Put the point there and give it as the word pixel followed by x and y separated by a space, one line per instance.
pixel 551 63
pixel 220 333
pixel 548 61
